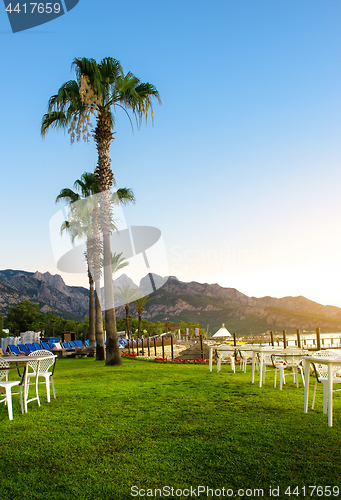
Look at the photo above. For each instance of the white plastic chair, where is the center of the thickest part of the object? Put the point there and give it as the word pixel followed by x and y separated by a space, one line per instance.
pixel 43 371
pixel 8 384
pixel 288 359
pixel 225 353
pixel 267 365
pixel 244 356
pixel 321 373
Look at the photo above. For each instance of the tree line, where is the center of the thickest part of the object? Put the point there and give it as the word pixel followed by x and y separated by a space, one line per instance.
pixel 26 317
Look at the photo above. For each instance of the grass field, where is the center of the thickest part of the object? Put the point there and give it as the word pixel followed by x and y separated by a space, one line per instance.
pixel 115 431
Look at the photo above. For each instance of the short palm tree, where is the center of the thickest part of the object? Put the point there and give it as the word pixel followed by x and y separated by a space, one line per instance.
pixel 140 304
pixel 85 222
pixel 100 89
pixel 87 185
pixel 127 294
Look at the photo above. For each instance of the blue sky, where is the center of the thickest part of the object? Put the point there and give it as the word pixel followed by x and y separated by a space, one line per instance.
pixel 241 170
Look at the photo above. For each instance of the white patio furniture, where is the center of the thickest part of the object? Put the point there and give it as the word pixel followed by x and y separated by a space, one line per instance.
pixel 40 368
pixel 258 352
pixel 226 352
pixel 288 358
pixel 333 362
pixel 263 353
pixel 244 356
pixel 7 385
pixel 321 373
pixel 266 364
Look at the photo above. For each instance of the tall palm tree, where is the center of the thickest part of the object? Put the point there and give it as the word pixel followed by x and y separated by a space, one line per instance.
pixel 139 304
pixel 127 294
pixel 100 89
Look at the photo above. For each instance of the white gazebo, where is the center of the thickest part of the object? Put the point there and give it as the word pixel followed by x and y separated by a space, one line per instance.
pixel 222 332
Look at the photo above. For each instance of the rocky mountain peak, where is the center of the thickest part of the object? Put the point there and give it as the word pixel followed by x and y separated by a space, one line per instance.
pixel 52 280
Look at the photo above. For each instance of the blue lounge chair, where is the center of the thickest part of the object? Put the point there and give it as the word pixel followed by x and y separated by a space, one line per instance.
pixel 79 343
pixel 24 349
pixel 67 346
pixel 37 346
pixel 45 346
pixel 31 347
pixel 13 349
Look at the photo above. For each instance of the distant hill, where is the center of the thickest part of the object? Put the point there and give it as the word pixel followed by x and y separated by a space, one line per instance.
pixel 210 305
pixel 49 292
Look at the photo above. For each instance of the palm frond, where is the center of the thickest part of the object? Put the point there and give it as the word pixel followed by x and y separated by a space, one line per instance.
pixel 68 195
pixel 118 262
pixel 55 119
pixel 99 82
pixel 140 302
pixel 85 66
pixel 75 228
pixel 146 91
pixel 126 195
pixel 68 94
pixel 126 293
pixel 65 226
pixel 110 69
pixel 64 108
pixel 87 184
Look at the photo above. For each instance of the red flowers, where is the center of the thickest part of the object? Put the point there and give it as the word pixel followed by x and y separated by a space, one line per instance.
pixel 165 360
pixel 193 361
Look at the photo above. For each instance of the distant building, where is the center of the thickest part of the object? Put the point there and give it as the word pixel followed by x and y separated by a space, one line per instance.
pixel 222 332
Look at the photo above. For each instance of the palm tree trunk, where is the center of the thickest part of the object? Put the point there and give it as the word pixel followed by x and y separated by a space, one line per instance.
pixel 113 355
pixel 92 339
pixel 100 350
pixel 96 254
pixel 127 320
pixel 103 139
pixel 139 327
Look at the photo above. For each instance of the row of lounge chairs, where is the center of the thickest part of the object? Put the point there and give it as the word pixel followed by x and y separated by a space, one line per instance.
pixel 124 342
pixel 62 348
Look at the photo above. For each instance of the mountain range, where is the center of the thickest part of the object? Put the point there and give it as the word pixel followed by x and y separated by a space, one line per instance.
pixel 210 305
pixel 49 292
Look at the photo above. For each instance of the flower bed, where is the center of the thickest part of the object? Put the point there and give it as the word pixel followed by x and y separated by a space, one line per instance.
pixel 193 361
pixel 165 360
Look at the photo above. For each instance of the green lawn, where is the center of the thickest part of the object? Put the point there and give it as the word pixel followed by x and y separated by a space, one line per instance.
pixel 152 425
